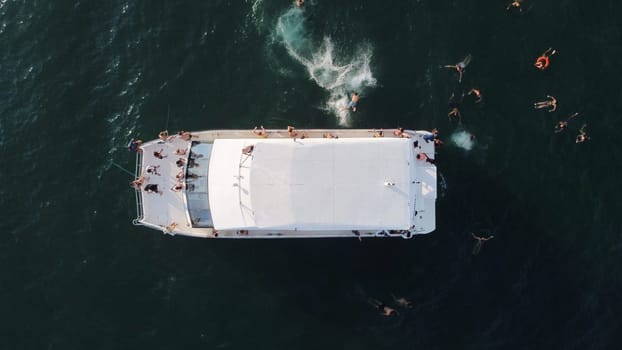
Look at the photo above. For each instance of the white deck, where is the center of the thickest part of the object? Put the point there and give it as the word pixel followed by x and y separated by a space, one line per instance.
pixel 311 187
pixel 312 184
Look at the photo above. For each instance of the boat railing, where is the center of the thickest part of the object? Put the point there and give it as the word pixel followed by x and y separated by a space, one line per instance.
pixel 138 193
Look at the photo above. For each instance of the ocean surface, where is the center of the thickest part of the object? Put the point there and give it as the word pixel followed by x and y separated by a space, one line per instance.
pixel 78 79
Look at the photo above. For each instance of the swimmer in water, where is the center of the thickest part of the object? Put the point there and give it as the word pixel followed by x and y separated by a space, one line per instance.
pixel 403 302
pixel 352 104
pixel 299 3
pixel 562 125
pixel 551 104
pixel 516 4
pixel 454 105
pixel 478 94
pixel 480 240
pixel 582 137
pixel 460 66
pixel 543 61
pixel 384 310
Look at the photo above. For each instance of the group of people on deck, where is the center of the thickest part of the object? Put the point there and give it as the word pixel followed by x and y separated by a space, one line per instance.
pixel 153 170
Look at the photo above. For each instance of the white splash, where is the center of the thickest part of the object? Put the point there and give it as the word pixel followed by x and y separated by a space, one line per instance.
pixel 338 74
pixel 463 139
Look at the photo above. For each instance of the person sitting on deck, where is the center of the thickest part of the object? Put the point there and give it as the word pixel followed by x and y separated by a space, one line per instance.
pixel 291 131
pixel 328 135
pixel 163 136
pixel 138 183
pixel 423 156
pixel 248 150
pixel 378 133
pixel 159 155
pixel 170 228
pixel 180 186
pixel 260 133
pixel 153 188
pixel 153 169
pixel 185 135
pixel 134 145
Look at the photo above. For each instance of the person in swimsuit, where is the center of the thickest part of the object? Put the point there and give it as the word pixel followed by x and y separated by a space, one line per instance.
pixel 478 94
pixel 460 66
pixel 153 169
pixel 516 4
pixel 170 228
pixel 543 61
pixel 378 133
pixel 328 135
pixel 480 240
pixel 248 150
pixel 403 302
pixel 152 188
pixel 562 125
pixel 582 137
pixel 291 131
pixel 159 155
pixel 134 145
pixel 353 100
pixel 431 136
pixel 260 133
pixel 423 156
pixel 384 310
pixel 300 3
pixel 454 108
pixel 551 104
pixel 138 183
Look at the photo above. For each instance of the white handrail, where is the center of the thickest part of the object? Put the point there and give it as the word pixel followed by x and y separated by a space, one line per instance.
pixel 138 193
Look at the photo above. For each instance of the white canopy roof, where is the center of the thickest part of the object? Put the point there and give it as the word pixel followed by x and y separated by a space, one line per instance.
pixel 312 184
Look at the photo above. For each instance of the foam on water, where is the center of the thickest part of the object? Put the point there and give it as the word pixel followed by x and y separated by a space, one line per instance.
pixel 463 139
pixel 337 73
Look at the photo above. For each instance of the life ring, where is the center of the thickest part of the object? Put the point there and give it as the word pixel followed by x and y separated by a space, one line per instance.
pixel 542 62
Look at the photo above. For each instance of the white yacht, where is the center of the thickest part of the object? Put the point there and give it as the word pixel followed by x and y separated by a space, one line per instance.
pixel 324 183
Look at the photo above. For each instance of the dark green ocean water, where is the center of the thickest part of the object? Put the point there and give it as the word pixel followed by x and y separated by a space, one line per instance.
pixel 79 78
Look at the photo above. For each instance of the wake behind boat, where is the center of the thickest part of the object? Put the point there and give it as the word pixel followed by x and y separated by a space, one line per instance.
pixel 322 183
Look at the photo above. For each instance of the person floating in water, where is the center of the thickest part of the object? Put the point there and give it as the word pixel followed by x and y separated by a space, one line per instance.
pixel 516 4
pixel 480 240
pixel 551 104
pixel 543 61
pixel 478 94
pixel 562 125
pixel 352 104
pixel 460 66
pixel 582 137
pixel 299 3
pixel 454 108
pixel 403 302
pixel 384 310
